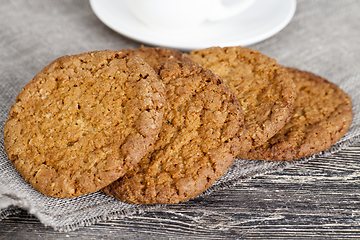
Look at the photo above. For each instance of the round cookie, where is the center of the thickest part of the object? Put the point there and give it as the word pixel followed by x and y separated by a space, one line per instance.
pixel 201 134
pixel 83 121
pixel 264 88
pixel 322 115
pixel 155 56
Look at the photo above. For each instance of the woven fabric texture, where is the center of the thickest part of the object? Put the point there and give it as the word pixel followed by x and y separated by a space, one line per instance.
pixel 323 38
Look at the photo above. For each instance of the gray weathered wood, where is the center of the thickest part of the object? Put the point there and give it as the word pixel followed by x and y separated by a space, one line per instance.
pixel 319 199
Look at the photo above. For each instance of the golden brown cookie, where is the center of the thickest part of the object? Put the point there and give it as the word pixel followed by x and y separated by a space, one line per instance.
pixel 201 134
pixel 322 115
pixel 83 121
pixel 264 88
pixel 155 56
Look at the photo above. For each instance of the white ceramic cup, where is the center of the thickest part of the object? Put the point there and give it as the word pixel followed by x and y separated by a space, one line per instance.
pixel 183 15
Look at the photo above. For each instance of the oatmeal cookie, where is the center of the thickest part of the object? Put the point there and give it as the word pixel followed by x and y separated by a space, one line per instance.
pixel 84 121
pixel 264 88
pixel 201 134
pixel 322 115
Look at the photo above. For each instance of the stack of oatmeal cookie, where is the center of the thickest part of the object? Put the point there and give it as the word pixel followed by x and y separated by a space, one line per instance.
pixel 154 125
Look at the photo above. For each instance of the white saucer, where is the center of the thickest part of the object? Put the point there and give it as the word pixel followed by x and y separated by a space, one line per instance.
pixel 259 22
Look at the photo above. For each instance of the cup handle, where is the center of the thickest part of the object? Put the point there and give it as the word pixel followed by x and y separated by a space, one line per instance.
pixel 220 12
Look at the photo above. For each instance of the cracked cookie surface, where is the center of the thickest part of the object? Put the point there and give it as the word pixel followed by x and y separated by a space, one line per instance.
pixel 322 115
pixel 83 121
pixel 157 55
pixel 264 88
pixel 201 134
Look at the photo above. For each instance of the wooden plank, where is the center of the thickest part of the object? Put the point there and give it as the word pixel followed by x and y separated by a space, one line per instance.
pixel 319 199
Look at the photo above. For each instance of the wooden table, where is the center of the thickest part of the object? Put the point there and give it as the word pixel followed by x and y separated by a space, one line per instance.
pixel 318 199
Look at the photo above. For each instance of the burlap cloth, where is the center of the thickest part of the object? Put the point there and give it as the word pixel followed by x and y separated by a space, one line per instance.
pixel 323 37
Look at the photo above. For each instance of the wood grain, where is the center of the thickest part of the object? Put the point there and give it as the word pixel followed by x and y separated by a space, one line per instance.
pixel 319 199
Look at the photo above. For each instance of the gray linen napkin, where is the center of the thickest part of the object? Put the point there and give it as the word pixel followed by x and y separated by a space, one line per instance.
pixel 323 37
